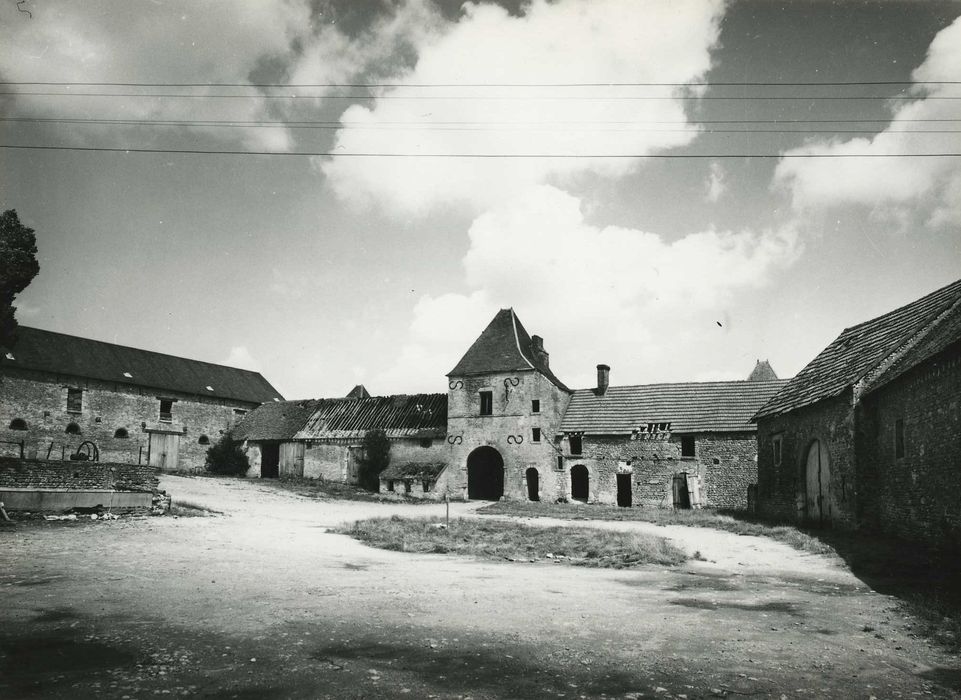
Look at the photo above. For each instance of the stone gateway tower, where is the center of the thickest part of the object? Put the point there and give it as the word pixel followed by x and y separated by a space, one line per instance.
pixel 504 408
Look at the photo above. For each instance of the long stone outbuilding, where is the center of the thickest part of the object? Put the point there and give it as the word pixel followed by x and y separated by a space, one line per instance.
pixel 509 428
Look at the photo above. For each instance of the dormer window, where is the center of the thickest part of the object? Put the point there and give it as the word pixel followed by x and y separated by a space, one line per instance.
pixel 486 403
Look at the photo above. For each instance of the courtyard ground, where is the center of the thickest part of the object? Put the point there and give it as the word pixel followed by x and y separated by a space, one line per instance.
pixel 263 602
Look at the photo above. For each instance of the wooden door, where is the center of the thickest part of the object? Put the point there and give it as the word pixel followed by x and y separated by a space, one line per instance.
pixel 292 459
pixel 818 484
pixel 164 450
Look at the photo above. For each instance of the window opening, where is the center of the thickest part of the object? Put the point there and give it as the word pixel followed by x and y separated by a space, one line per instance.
pixel 486 403
pixel 74 400
pixel 166 410
pixel 390 485
pixel 121 433
pixel 426 485
pixel 72 429
pixel 688 448
pixel 18 424
pixel 535 405
pixel 203 440
pixel 535 434
pixel 576 444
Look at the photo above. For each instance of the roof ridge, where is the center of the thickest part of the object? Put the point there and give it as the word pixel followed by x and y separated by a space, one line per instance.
pixel 892 312
pixel 517 341
pixel 705 383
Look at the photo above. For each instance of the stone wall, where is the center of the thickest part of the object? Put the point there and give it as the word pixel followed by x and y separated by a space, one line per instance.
pixel 781 489
pixel 914 496
pixel 509 429
pixel 40 400
pixel 724 463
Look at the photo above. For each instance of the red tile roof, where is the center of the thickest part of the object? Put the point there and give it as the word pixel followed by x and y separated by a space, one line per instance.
pixel 862 350
pixel 414 415
pixel 73 356
pixel 504 346
pixel 689 407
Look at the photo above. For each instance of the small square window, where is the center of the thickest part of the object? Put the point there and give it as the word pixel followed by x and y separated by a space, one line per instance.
pixel 535 405
pixel 486 403
pixel 74 400
pixel 575 443
pixel 899 438
pixel 688 446
pixel 166 410
pixel 535 434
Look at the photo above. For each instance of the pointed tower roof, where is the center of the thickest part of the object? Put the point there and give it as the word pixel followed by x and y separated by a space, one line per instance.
pixel 762 372
pixel 504 346
pixel 358 392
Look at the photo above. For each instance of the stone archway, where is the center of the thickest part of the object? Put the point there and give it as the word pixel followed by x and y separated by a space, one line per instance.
pixel 485 474
pixel 817 479
pixel 580 483
pixel 533 484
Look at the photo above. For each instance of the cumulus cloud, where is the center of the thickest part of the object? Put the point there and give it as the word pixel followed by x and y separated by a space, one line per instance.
pixel 585 287
pixel 891 186
pixel 572 41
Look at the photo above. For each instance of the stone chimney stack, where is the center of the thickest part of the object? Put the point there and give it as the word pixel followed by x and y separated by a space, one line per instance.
pixel 541 356
pixel 603 378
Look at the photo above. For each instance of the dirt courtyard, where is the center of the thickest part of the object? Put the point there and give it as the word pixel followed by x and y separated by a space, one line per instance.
pixel 263 602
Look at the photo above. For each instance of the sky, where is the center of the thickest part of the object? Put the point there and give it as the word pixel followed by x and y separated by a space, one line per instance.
pixel 677 190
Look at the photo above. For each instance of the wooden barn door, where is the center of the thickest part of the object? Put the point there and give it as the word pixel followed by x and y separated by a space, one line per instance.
pixel 164 450
pixel 292 459
pixel 818 484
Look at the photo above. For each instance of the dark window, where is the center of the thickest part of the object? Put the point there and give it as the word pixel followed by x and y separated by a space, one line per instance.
pixel 560 463
pixel 121 433
pixel 576 446
pixel 166 410
pixel 72 429
pixel 406 486
pixel 239 414
pixel 426 442
pixel 390 485
pixel 203 440
pixel 18 424
pixel 535 405
pixel 535 434
pixel 776 447
pixel 426 485
pixel 486 403
pixel 688 448
pixel 74 400
pixel 899 438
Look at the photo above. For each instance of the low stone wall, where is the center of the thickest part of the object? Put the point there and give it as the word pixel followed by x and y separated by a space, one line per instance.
pixel 53 485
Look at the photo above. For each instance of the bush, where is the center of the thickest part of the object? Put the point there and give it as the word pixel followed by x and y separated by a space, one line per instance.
pixel 375 460
pixel 226 458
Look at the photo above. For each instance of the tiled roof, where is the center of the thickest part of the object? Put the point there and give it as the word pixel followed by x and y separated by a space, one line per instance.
pixel 70 355
pixel 275 420
pixel 413 415
pixel 413 470
pixel 861 349
pixel 689 407
pixel 504 346
pixel 358 392
pixel 762 372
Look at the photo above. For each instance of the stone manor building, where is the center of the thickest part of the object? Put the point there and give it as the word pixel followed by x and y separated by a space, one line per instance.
pixel 508 427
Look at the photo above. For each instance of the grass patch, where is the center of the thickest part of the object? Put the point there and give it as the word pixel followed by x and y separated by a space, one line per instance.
pixel 332 490
pixel 495 539
pixel 703 517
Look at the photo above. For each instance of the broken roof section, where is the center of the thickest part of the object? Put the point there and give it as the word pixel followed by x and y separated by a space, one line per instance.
pixel 868 349
pixel 404 415
pixel 70 355
pixel 504 346
pixel 701 407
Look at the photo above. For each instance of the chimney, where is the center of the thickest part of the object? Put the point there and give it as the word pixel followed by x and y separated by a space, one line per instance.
pixel 541 356
pixel 603 378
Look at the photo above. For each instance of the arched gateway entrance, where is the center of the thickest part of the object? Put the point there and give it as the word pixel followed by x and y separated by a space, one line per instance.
pixel 485 474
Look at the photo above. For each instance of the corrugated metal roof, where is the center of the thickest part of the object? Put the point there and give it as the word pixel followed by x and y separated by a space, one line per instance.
pixel 413 470
pixel 859 350
pixel 404 415
pixel 689 407
pixel 504 346
pixel 279 420
pixel 71 355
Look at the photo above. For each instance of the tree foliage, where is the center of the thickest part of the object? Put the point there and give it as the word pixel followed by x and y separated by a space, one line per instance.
pixel 375 460
pixel 225 457
pixel 18 266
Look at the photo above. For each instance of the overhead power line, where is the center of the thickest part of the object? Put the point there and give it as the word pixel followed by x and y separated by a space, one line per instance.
pixel 710 83
pixel 337 154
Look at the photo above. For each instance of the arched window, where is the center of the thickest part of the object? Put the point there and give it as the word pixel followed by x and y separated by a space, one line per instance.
pixel 121 433
pixel 18 424
pixel 72 429
pixel 203 440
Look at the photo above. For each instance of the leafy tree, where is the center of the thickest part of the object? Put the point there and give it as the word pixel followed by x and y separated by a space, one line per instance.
pixel 375 460
pixel 225 457
pixel 18 266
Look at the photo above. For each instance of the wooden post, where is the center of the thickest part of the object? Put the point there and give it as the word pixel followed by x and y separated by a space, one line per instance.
pixel 447 505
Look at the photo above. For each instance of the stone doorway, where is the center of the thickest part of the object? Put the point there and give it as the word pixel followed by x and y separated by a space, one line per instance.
pixel 485 474
pixel 533 484
pixel 580 483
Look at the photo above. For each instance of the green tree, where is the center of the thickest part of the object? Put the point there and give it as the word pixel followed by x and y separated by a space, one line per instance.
pixel 225 457
pixel 18 266
pixel 375 460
